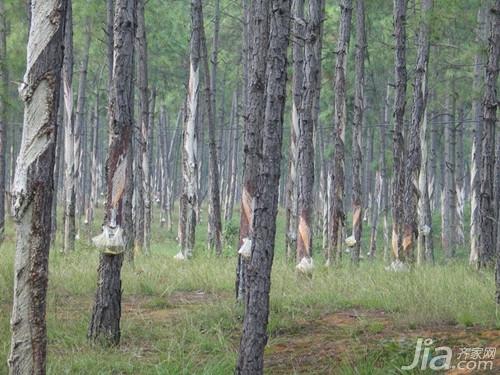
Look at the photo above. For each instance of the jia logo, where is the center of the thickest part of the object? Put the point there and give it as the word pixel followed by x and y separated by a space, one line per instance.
pixel 440 358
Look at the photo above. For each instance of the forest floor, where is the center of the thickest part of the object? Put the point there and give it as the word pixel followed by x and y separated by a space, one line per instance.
pixel 181 317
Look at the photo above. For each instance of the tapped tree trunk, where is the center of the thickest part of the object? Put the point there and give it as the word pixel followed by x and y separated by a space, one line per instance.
pixel 257 16
pixel 308 120
pixel 265 209
pixel 32 191
pixel 418 210
pixel 398 139
pixel 338 215
pixel 189 197
pixel 69 135
pixel 357 157
pixel 489 105
pixel 106 313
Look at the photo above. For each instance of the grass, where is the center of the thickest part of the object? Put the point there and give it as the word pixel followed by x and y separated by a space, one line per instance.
pixel 181 318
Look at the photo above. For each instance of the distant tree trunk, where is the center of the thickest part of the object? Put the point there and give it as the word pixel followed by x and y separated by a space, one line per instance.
pixel 79 140
pixel 3 113
pixel 254 337
pixel 215 222
pixel 32 191
pixel 416 199
pixel 258 30
pixel 58 168
pixel 357 157
pixel 147 165
pixel 295 131
pixel 69 134
pixel 142 155
pixel 475 228
pixel 384 176
pixel 105 322
pixel 94 173
pixel 233 173
pixel 489 104
pixel 110 17
pixel 450 193
pixel 172 167
pixel 338 215
pixel 189 197
pixel 460 176
pixel 398 139
pixel 323 182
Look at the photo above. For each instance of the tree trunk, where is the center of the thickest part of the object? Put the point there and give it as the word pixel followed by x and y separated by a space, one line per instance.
pixel 357 157
pixel 69 134
pixel 489 105
pixel 233 173
pixel 296 134
pixel 416 195
pixel 215 222
pixel 105 322
pixel 475 228
pixel 308 119
pixel 94 162
pixel 460 176
pixel 189 197
pixel 142 155
pixel 32 191
pixel 258 30
pixel 450 193
pixel 398 139
pixel 79 140
pixel 3 113
pixel 338 216
pixel 254 337
pixel 147 165
pixel 385 180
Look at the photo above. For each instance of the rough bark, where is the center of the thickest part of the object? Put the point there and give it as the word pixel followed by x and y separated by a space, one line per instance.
pixel 487 244
pixel 94 173
pixel 233 173
pixel 338 215
pixel 143 117
pixel 105 321
pixel 400 77
pixel 384 174
pixel 416 199
pixel 78 130
pixel 357 157
pixel 449 191
pixel 258 30
pixel 32 191
pixel 189 197
pixel 296 130
pixel 308 119
pixel 254 337
pixel 215 221
pixel 3 113
pixel 475 228
pixel 69 135
pixel 147 165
